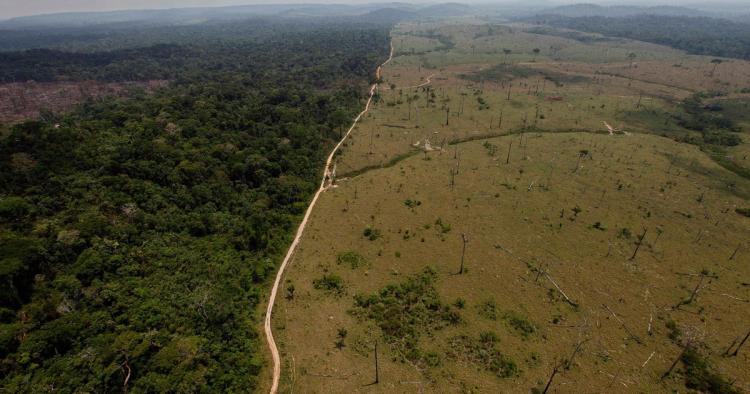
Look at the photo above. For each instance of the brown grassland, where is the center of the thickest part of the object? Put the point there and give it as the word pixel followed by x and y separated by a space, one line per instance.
pixel 602 255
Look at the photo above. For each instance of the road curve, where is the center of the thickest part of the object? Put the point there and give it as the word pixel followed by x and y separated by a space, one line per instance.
pixel 300 230
pixel 425 83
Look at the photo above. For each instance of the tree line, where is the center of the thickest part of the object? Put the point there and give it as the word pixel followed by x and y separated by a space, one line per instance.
pixel 136 234
pixel 696 35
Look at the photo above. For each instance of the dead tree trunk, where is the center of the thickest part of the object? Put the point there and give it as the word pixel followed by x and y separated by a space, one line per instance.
pixel 736 351
pixel 377 367
pixel 638 245
pixel 549 382
pixel 674 364
pixel 510 145
pixel 465 239
pixel 737 249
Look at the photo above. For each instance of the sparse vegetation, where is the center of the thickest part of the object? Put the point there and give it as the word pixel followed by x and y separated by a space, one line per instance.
pixel 484 353
pixel 406 311
pixel 330 283
pixel 371 233
pixel 352 259
pixel 700 377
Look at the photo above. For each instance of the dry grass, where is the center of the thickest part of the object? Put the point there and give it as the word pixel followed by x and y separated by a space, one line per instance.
pixel 569 204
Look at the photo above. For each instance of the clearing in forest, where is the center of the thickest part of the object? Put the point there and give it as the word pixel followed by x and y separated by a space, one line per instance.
pixel 530 246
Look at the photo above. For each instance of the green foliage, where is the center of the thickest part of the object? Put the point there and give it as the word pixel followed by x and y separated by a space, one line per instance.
pixel 352 259
pixel 697 35
pixel 715 128
pixel 524 327
pixel 14 208
pixel 488 310
pixel 412 203
pixel 442 228
pixel 743 211
pixel 141 231
pixel 340 338
pixel 406 311
pixel 674 331
pixel 490 147
pixel 484 353
pixel 371 233
pixel 700 377
pixel 331 283
pixel 624 233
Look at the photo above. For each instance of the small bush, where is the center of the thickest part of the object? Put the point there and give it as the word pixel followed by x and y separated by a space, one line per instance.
pixel 674 331
pixel 487 310
pixel 520 324
pixel 624 233
pixel 598 226
pixel 412 203
pixel 371 233
pixel 483 353
pixel 351 258
pixel 443 228
pixel 331 283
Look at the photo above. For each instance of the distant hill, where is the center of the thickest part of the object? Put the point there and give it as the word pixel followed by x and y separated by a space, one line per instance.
pixel 584 9
pixel 696 35
pixel 445 10
pixel 182 16
pixel 389 15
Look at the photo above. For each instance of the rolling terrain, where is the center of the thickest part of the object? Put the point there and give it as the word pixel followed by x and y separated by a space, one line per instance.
pixel 521 209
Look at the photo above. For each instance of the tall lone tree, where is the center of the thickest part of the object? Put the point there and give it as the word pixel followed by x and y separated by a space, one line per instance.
pixel 506 52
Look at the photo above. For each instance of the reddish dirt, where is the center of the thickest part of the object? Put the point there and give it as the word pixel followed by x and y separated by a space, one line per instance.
pixel 25 100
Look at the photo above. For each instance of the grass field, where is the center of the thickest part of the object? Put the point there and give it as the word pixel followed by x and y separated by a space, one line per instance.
pixel 602 255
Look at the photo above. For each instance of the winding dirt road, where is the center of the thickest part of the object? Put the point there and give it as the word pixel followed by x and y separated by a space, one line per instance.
pixel 300 230
pixel 425 83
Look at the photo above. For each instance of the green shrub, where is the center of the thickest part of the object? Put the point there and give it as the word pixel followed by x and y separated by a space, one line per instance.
pixel 351 258
pixel 332 283
pixel 484 353
pixel 406 311
pixel 14 208
pixel 487 310
pixel 521 325
pixel 443 228
pixel 371 233
pixel 412 203
pixel 700 377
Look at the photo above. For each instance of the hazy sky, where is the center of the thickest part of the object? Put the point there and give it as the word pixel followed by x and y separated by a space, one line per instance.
pixel 12 8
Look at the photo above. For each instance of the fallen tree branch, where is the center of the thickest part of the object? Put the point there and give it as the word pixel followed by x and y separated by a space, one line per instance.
pixel 561 291
pixel 624 326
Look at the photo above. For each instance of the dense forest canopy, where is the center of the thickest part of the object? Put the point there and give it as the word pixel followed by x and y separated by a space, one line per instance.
pixel 696 35
pixel 251 47
pixel 135 234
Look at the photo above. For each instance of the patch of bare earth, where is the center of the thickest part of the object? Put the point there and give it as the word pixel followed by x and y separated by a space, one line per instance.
pixel 25 100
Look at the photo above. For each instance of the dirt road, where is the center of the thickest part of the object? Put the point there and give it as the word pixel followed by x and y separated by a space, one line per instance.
pixel 300 230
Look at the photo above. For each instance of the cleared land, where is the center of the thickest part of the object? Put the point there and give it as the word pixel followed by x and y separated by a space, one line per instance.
pixel 26 100
pixel 603 255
